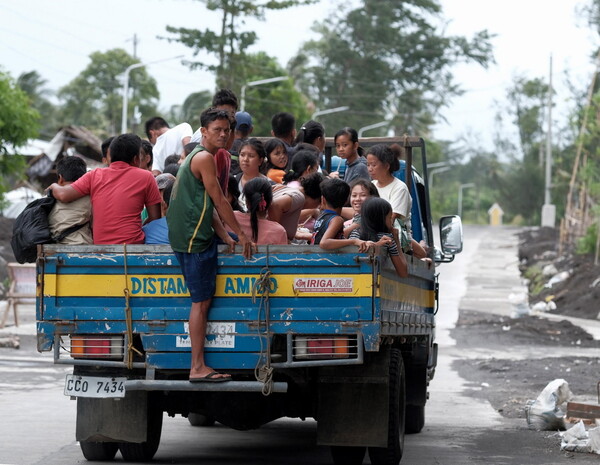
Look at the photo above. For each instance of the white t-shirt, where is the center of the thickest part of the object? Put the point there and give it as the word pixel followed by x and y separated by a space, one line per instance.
pixel 169 143
pixel 197 136
pixel 396 193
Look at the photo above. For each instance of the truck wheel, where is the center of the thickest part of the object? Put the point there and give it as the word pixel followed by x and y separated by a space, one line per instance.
pixel 144 451
pixel 392 454
pixel 344 455
pixel 98 451
pixel 198 419
pixel 415 418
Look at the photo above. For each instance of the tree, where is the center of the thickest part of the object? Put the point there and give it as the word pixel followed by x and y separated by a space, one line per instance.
pixel 385 58
pixel 230 43
pixel 94 98
pixel 527 102
pixel 191 108
pixel 18 124
pixel 263 101
pixel 35 87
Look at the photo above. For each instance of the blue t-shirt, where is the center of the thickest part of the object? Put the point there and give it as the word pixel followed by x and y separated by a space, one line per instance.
pixel 157 231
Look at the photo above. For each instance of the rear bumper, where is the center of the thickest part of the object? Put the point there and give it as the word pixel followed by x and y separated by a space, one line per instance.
pixel 227 386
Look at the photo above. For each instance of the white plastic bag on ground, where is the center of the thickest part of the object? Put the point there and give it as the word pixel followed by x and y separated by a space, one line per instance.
pixel 539 307
pixel 520 304
pixel 576 439
pixel 558 278
pixel 549 270
pixel 543 307
pixel 594 435
pixel 544 413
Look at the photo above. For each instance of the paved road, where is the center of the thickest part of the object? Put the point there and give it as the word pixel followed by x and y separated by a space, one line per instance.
pixel 38 422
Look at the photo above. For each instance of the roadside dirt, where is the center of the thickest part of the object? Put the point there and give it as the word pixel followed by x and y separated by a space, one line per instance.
pixel 575 296
pixel 509 384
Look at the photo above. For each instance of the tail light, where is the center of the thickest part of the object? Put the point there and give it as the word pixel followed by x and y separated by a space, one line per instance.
pixel 97 347
pixel 324 347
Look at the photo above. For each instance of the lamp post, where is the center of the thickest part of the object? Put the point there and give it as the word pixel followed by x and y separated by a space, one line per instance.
pixel 257 83
pixel 371 126
pixel 460 195
pixel 126 88
pixel 436 165
pixel 436 171
pixel 328 111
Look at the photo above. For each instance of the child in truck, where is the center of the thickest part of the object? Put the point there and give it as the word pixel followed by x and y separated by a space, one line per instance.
pixel 259 195
pixel 376 227
pixel 328 233
pixel 65 216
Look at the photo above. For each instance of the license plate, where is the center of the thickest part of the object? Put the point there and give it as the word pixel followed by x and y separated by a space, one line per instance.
pixel 92 386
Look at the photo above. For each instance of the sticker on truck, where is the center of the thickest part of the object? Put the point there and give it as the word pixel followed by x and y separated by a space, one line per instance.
pixel 324 284
pixel 219 334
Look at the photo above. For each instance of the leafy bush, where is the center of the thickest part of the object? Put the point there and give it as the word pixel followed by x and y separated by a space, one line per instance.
pixel 536 280
pixel 587 244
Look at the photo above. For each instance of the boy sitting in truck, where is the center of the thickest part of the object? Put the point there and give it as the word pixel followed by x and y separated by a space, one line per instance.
pixel 68 215
pixel 329 226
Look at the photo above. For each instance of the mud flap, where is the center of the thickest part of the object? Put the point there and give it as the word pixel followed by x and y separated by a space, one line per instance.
pixel 101 420
pixel 353 403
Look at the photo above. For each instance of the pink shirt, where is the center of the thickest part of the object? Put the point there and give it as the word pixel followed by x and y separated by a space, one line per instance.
pixel 118 194
pixel 269 232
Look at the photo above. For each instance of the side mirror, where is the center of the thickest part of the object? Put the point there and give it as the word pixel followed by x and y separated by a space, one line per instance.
pixel 451 234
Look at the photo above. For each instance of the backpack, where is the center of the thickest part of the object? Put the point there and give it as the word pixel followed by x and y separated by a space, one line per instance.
pixel 32 228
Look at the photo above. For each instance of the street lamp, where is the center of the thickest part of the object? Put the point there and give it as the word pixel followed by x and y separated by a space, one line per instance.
pixel 436 165
pixel 126 88
pixel 371 126
pixel 328 111
pixel 257 83
pixel 436 171
pixel 460 195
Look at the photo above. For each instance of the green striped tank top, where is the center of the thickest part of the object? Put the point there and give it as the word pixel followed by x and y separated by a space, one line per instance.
pixel 190 211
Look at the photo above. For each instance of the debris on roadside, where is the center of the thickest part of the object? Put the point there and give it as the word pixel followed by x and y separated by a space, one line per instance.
pixel 549 270
pixel 11 342
pixel 572 279
pixel 588 413
pixel 543 306
pixel 545 413
pixel 520 304
pixel 558 278
pixel 577 439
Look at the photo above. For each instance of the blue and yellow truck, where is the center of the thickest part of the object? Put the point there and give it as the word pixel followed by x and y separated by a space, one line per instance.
pixel 336 336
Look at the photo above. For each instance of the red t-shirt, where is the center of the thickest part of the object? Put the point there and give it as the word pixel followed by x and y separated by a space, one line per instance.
pixel 118 194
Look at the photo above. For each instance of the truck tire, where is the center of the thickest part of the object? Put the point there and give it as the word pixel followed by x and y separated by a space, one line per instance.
pixel 198 419
pixel 345 455
pixel 415 419
pixel 144 451
pixel 98 451
pixel 392 454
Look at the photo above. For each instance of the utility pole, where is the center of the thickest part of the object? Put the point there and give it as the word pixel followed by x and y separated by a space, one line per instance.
pixel 549 210
pixel 460 195
pixel 135 43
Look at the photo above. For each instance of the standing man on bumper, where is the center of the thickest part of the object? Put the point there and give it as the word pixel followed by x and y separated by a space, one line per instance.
pixel 192 230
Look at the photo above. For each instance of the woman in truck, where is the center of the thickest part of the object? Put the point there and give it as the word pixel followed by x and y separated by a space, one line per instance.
pixel 251 157
pixel 255 223
pixel 376 226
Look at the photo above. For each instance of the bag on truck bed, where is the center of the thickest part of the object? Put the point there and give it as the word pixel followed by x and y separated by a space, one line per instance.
pixel 32 228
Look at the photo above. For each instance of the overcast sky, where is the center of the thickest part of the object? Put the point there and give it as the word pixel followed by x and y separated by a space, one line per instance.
pixel 56 38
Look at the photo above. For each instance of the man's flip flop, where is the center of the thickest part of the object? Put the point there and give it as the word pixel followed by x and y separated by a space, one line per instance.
pixel 212 377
